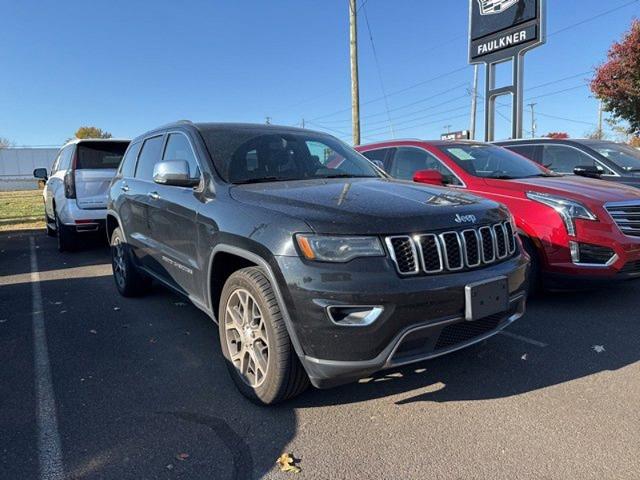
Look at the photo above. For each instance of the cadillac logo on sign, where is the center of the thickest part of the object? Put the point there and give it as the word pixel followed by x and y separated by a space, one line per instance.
pixel 499 29
pixel 491 7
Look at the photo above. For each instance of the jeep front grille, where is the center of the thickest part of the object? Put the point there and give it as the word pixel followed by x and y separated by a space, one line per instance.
pixel 626 216
pixel 452 251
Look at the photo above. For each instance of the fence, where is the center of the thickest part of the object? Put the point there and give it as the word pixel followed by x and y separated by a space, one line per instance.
pixel 17 165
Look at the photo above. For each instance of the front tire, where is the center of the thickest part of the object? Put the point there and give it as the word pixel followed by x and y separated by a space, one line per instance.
pixel 255 342
pixel 130 282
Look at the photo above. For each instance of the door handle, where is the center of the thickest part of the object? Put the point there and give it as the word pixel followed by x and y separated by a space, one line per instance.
pixel 154 195
pixel 124 188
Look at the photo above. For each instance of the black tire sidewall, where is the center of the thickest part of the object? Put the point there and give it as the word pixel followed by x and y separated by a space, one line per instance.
pixel 277 365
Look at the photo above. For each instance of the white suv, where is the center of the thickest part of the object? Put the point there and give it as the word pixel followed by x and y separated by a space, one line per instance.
pixel 75 195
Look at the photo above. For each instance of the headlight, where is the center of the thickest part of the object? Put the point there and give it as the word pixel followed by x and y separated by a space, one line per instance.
pixel 323 248
pixel 569 210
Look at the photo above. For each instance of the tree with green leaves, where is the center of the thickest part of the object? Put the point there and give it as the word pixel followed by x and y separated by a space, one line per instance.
pixel 92 132
pixel 617 81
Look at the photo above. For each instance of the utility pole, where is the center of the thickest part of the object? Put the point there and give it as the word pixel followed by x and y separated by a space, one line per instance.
pixel 448 128
pixel 267 120
pixel 302 123
pixel 533 119
pixel 600 113
pixel 355 83
pixel 474 102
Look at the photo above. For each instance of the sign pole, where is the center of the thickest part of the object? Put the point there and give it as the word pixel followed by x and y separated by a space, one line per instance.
pixel 503 31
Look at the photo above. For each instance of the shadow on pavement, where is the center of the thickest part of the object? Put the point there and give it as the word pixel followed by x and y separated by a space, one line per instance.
pixel 15 259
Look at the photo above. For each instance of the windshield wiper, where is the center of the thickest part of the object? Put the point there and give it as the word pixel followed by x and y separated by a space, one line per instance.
pixel 500 177
pixel 347 175
pixel 262 180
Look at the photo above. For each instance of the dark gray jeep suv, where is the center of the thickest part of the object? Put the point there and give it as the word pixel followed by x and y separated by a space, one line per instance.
pixel 314 263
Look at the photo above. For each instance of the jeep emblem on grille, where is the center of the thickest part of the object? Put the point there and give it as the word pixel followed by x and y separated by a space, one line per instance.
pixel 465 218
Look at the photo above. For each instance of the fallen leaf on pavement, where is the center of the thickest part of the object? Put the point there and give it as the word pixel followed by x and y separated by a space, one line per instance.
pixel 182 456
pixel 93 331
pixel 116 309
pixel 524 357
pixel 598 348
pixel 286 462
pixel 180 304
pixel 3 320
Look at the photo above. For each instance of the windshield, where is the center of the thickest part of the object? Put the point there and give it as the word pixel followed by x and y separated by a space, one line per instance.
pixel 99 155
pixel 488 161
pixel 624 156
pixel 248 155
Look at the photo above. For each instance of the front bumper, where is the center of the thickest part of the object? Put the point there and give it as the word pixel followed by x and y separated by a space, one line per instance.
pixel 560 269
pixel 423 316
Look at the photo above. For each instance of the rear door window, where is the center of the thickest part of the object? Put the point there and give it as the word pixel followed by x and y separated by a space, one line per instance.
pixel 128 165
pixel 65 159
pixel 149 156
pixel 100 155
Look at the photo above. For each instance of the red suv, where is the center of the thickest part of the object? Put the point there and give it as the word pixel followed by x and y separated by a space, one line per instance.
pixel 572 227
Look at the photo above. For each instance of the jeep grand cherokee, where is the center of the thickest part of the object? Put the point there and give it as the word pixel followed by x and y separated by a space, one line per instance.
pixel 314 263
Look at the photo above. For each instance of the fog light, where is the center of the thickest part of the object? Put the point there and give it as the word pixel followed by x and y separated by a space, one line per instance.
pixel 587 254
pixel 354 316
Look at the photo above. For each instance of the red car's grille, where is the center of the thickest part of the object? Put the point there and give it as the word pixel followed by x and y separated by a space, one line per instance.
pixel 626 216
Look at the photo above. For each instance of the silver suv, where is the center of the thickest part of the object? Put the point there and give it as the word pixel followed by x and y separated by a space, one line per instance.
pixel 75 194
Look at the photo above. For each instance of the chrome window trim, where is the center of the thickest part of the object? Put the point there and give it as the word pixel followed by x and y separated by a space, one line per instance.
pixel 418 238
pixel 446 254
pixel 464 243
pixel 392 252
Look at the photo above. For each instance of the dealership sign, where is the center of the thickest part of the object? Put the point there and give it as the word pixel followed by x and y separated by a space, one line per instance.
pixel 500 29
pixel 503 31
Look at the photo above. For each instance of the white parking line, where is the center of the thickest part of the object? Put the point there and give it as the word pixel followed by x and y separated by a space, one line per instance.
pixel 530 341
pixel 49 451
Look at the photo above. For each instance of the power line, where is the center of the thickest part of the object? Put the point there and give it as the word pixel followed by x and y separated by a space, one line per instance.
pixel 397 92
pixel 586 20
pixel 558 92
pixel 375 57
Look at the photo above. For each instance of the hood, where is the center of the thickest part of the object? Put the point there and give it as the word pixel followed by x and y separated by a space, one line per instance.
pixel 586 190
pixel 368 206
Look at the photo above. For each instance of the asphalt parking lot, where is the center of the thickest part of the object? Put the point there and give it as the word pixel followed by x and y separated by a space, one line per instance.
pixel 97 386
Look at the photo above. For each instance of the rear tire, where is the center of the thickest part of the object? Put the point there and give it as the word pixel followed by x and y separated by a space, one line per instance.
pixel 255 341
pixel 67 241
pixel 51 232
pixel 130 282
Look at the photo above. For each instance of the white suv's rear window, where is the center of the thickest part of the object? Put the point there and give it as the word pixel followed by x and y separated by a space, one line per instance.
pixel 100 155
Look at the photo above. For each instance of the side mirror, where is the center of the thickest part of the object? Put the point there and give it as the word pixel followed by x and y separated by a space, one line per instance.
pixel 430 177
pixel 174 173
pixel 41 173
pixel 589 171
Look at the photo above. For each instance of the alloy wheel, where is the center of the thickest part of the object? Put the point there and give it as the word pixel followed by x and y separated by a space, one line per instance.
pixel 247 338
pixel 119 263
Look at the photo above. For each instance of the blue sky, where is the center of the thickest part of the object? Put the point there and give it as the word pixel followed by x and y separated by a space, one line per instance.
pixel 128 66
